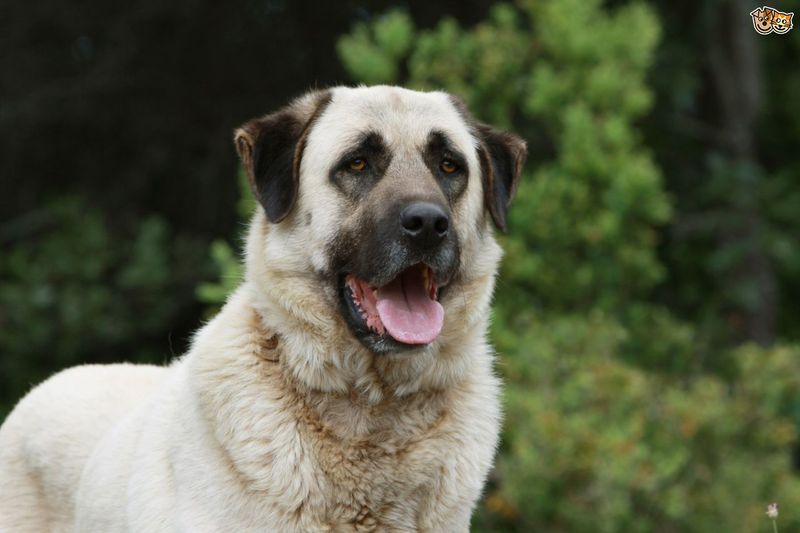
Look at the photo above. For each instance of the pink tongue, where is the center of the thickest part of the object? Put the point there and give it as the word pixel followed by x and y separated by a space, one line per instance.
pixel 408 312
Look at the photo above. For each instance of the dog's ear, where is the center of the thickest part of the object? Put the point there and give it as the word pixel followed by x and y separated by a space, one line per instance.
pixel 502 156
pixel 271 148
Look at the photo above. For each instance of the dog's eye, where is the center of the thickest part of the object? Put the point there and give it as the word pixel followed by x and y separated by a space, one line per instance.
pixel 448 167
pixel 357 165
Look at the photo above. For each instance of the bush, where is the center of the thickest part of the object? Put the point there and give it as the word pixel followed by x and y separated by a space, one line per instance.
pixel 594 444
pixel 224 257
pixel 82 289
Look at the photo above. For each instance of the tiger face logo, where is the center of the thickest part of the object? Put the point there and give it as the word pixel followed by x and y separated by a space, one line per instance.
pixel 767 20
pixel 782 22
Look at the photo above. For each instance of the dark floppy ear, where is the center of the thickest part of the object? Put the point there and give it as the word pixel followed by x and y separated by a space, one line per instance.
pixel 502 156
pixel 271 148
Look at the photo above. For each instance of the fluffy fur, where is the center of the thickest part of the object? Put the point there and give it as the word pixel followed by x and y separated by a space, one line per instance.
pixel 277 419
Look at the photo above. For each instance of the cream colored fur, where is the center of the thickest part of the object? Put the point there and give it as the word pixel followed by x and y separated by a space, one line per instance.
pixel 277 419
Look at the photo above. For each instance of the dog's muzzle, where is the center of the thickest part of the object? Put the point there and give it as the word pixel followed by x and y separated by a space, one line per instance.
pixel 390 288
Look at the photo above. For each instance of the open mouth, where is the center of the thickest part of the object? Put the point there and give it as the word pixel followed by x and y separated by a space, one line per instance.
pixel 406 309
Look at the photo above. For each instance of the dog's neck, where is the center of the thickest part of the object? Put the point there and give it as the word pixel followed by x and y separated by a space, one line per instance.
pixel 239 354
pixel 320 361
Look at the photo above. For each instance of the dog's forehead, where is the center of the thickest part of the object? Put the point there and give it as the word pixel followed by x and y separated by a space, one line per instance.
pixel 404 118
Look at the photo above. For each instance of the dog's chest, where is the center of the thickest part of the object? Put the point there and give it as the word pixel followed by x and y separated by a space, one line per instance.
pixel 380 480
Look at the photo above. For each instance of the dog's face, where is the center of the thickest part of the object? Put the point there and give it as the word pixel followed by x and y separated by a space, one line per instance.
pixel 762 20
pixel 386 195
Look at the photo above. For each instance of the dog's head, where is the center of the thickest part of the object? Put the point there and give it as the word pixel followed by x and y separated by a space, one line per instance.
pixel 377 206
pixel 762 20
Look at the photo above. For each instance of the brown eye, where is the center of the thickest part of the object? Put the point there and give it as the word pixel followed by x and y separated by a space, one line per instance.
pixel 448 167
pixel 358 165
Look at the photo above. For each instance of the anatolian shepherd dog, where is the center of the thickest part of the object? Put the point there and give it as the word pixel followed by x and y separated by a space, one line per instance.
pixel 347 385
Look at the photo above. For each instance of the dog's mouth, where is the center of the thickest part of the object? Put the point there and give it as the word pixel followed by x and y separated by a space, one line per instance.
pixel 405 310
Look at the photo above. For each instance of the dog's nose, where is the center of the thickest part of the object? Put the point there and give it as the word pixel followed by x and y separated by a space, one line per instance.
pixel 426 224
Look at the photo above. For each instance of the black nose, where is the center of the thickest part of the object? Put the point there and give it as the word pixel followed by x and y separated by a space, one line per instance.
pixel 426 224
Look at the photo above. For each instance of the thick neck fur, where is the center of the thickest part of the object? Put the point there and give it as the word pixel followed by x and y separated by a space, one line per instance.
pixel 251 350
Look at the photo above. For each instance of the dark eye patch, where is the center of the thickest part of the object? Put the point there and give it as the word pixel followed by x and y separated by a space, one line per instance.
pixel 370 148
pixel 438 148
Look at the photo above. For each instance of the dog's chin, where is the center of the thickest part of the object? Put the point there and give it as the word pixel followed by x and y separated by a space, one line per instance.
pixel 366 307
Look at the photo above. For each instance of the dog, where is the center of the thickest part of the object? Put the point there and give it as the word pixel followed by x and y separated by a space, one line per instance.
pixel 762 19
pixel 346 385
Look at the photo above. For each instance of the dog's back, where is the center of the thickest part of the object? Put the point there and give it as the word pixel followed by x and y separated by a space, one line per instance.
pixel 46 440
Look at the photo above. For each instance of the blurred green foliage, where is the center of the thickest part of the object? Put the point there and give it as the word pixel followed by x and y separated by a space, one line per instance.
pixel 620 415
pixel 592 443
pixel 225 258
pixel 83 290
